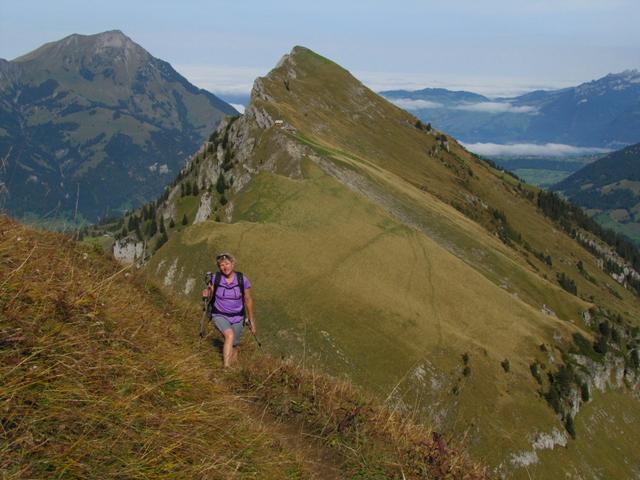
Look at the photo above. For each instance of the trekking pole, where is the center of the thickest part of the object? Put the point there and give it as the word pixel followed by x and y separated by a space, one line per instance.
pixel 206 300
pixel 254 334
pixel 203 319
pixel 256 337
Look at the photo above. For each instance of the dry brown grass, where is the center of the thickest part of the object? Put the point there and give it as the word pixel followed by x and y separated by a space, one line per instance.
pixel 102 376
pixel 374 442
pixel 95 383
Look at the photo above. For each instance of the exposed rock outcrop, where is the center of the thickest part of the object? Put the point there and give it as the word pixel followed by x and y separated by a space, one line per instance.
pixel 128 250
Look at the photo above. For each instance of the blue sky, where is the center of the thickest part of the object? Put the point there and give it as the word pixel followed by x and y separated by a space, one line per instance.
pixel 493 47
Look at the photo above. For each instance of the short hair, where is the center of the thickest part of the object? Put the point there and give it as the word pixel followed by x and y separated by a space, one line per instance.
pixel 225 256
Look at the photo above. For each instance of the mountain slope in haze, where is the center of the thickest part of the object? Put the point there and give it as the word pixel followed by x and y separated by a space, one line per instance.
pixel 610 190
pixel 382 250
pixel 95 119
pixel 602 113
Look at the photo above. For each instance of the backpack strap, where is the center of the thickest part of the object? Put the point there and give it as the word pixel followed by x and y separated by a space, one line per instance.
pixel 216 282
pixel 240 279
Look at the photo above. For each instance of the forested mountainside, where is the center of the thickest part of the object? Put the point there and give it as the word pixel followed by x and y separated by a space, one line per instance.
pixel 94 125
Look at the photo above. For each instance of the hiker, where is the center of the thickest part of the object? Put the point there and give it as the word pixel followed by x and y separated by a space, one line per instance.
pixel 230 306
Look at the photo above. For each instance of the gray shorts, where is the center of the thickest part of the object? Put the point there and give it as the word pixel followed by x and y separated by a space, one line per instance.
pixel 222 323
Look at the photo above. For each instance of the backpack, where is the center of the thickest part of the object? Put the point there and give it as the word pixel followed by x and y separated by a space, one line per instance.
pixel 214 279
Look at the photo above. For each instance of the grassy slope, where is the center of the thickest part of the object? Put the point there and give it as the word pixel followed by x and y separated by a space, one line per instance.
pixel 608 188
pixel 381 136
pixel 98 380
pixel 102 376
pixel 328 264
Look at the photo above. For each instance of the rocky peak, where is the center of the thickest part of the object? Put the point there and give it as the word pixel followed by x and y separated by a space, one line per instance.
pixel 9 73
pixel 612 82
pixel 77 49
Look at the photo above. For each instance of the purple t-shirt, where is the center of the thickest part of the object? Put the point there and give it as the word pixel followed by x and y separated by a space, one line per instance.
pixel 229 299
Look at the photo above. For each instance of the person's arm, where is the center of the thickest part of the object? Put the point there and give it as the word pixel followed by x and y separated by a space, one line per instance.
pixel 248 301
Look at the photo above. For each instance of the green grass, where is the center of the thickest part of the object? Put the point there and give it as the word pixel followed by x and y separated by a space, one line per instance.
pixel 541 177
pixel 630 229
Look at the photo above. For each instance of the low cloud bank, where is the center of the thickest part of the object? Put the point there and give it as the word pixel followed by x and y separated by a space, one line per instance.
pixel 531 150
pixel 487 107
pixel 238 107
pixel 495 107
pixel 411 104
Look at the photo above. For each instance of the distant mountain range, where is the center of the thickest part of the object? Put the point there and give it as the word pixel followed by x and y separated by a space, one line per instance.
pixel 603 113
pixel 609 189
pixel 98 122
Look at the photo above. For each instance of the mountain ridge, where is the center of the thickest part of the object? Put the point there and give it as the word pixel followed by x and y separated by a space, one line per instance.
pixel 608 189
pixel 321 184
pixel 599 113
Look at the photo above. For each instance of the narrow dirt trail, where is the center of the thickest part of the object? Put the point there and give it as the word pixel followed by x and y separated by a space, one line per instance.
pixel 203 364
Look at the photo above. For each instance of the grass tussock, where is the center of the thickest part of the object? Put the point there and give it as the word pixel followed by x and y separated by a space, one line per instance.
pixel 101 376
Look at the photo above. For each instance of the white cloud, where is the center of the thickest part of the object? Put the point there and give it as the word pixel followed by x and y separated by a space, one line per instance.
pixel 221 79
pixel 490 86
pixel 531 149
pixel 495 107
pixel 238 107
pixel 488 107
pixel 411 104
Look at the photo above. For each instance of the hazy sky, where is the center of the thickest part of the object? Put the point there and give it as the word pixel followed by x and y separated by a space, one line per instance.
pixel 493 46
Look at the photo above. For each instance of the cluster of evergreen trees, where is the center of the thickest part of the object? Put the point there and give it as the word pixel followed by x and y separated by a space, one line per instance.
pixel 189 188
pixel 567 283
pixel 149 223
pixel 612 335
pixel 570 216
pixel 505 231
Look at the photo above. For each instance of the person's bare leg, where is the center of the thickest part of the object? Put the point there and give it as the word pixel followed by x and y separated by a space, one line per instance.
pixel 234 354
pixel 227 349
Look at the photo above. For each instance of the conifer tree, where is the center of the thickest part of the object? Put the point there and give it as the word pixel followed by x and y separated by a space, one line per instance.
pixel 152 229
pixel 221 185
pixel 162 240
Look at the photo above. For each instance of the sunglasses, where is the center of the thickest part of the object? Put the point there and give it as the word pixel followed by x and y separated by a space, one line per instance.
pixel 224 256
